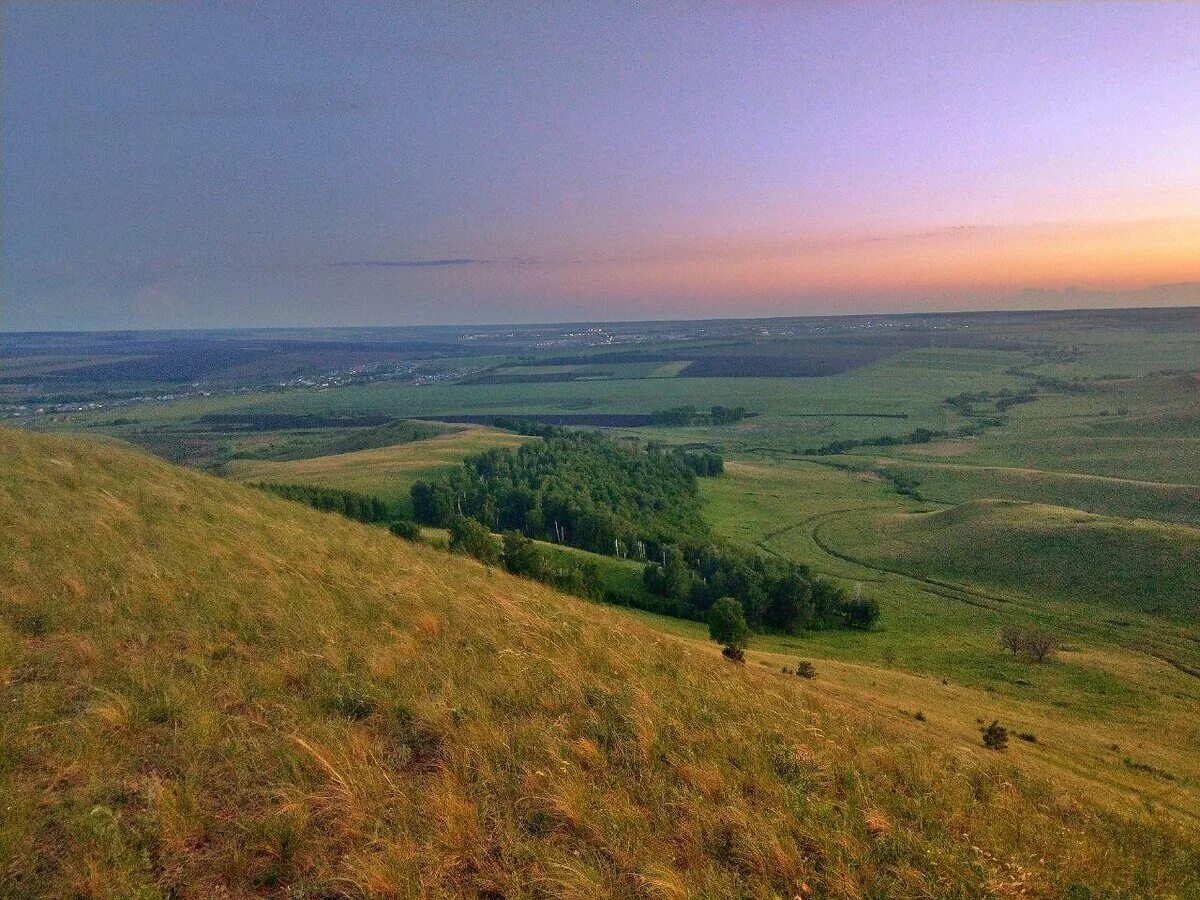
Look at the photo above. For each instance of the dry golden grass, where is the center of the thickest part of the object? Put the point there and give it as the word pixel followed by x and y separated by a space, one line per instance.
pixel 387 472
pixel 210 692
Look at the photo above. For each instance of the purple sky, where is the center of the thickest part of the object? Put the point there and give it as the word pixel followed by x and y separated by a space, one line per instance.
pixel 178 164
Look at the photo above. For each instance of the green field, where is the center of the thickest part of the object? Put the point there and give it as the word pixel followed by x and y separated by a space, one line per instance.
pixel 1121 673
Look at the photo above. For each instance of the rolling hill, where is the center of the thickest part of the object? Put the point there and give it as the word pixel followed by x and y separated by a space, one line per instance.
pixel 1066 553
pixel 386 472
pixel 211 692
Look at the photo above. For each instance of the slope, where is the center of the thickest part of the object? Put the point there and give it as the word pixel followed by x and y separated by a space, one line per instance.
pixel 213 692
pixel 1132 564
pixel 386 472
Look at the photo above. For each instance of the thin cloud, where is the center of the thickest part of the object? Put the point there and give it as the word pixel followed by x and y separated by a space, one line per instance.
pixel 448 263
pixel 410 263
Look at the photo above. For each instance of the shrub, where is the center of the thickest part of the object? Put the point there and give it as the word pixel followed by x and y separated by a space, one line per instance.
pixel 861 613
pixel 805 669
pixel 405 528
pixel 995 736
pixel 736 654
pixel 521 556
pixel 727 623
pixel 919 716
pixel 469 537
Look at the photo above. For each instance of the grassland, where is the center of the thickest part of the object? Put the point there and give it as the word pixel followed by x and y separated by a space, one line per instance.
pixel 1123 678
pixel 1053 550
pixel 950 481
pixel 386 472
pixel 216 692
pixel 1146 429
pixel 213 692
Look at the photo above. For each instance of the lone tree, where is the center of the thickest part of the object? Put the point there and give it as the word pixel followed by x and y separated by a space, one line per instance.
pixel 727 626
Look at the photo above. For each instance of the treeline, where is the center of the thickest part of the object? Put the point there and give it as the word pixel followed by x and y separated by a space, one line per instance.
pixel 589 491
pixel 1003 400
pixel 1049 382
pixel 280 421
pixel 577 488
pixel 704 463
pixel 360 507
pixel 522 556
pixel 772 593
pixel 919 436
pixel 678 416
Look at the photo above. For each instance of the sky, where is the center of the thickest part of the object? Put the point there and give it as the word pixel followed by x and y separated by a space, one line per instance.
pixel 224 164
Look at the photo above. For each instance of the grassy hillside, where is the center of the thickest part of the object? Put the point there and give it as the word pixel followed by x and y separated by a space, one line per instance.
pixel 949 482
pixel 1135 564
pixel 212 692
pixel 386 472
pixel 1119 692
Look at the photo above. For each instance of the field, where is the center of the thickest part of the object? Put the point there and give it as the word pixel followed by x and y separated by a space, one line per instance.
pixel 1114 683
pixel 976 473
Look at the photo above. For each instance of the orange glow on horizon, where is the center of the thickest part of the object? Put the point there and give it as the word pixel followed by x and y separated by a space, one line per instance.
pixel 1118 256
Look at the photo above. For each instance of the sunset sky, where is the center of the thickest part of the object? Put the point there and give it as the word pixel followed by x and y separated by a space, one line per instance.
pixel 288 164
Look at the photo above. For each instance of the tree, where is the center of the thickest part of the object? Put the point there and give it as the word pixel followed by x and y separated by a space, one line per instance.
pixel 521 556
pixel 673 578
pixel 861 613
pixel 1040 645
pixel 1012 639
pixel 789 604
pixel 727 626
pixel 1037 645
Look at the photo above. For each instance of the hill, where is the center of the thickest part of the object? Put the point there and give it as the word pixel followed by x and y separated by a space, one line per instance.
pixel 951 483
pixel 209 691
pixel 385 472
pixel 1057 551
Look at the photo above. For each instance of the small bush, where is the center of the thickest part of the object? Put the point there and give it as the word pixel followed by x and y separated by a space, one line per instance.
pixel 1027 737
pixel 350 704
pixel 405 528
pixel 805 669
pixel 995 736
pixel 919 716
pixel 469 537
pixel 32 623
pixel 736 654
